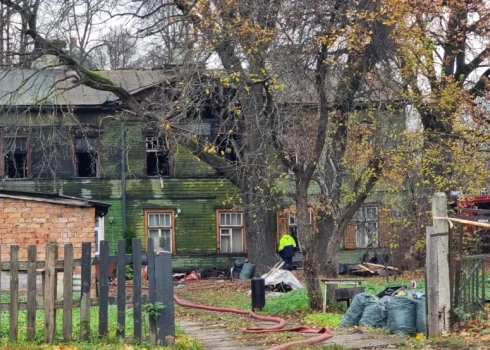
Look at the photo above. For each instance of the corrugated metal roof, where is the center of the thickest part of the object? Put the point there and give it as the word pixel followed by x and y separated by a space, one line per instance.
pixel 55 198
pixel 22 87
pixel 26 86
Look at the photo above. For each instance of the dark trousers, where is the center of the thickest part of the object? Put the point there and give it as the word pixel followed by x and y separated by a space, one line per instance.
pixel 288 264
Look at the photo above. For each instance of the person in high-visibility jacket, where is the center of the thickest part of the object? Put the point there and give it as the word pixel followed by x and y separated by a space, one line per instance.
pixel 286 250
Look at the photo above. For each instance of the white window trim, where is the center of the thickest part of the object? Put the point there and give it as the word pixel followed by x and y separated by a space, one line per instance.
pixel 100 234
pixel 230 230
pixel 160 228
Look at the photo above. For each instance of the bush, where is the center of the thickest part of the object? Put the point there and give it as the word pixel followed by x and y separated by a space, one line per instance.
pixel 128 236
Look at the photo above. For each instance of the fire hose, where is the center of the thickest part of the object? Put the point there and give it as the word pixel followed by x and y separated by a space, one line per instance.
pixel 324 333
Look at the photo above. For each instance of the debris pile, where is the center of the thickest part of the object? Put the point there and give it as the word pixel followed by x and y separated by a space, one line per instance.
pixel 397 310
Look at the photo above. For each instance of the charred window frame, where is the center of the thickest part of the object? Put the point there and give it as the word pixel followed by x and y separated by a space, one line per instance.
pixel 86 156
pixel 16 159
pixel 367 226
pixel 226 144
pixel 158 156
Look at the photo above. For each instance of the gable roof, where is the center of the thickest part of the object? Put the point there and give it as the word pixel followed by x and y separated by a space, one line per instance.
pixel 101 209
pixel 27 87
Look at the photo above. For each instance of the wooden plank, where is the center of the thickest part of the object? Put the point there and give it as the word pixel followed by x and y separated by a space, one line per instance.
pixel 14 293
pixel 31 291
pixel 165 295
pixel 365 268
pixel 0 283
pixel 85 292
pixel 75 303
pixel 137 288
pixel 68 292
pixel 50 292
pixel 40 265
pixel 121 288
pixel 104 288
pixel 150 248
pixel 381 266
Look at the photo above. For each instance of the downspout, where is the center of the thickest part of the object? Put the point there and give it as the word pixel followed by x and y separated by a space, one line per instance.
pixel 123 175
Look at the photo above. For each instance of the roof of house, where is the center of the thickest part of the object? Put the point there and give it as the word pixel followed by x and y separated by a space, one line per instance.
pixel 101 209
pixel 25 87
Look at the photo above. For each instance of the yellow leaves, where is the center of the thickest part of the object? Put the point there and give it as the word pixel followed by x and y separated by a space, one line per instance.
pixel 211 149
pixel 420 336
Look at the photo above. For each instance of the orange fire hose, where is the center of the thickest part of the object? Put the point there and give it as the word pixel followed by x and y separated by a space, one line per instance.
pixel 324 333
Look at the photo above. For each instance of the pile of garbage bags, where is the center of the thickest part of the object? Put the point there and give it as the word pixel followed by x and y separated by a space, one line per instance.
pixel 404 312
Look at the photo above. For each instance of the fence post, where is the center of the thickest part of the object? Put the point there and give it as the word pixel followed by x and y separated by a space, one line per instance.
pixel 137 288
pixel 50 292
pixel 85 291
pixel 67 292
pixel 121 288
pixel 437 240
pixel 164 285
pixel 14 292
pixel 150 251
pixel 31 291
pixel 103 288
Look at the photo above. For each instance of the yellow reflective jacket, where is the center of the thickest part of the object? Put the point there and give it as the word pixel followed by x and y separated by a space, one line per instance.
pixel 285 241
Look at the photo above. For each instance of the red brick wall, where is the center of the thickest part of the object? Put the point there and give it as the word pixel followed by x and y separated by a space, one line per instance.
pixel 26 222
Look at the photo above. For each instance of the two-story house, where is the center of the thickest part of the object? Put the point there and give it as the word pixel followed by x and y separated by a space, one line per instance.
pixel 63 137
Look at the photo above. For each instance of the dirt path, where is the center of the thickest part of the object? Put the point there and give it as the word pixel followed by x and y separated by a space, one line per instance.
pixel 220 339
pixel 213 338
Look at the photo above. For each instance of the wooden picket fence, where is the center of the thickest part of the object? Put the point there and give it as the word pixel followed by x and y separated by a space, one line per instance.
pixel 161 323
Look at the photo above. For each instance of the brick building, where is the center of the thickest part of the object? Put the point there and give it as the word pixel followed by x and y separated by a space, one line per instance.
pixel 39 218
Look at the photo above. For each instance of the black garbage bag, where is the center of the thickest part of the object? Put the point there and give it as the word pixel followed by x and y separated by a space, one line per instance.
pixel 237 267
pixel 354 313
pixel 247 271
pixel 375 315
pixel 402 315
pixel 343 269
pixel 389 291
pixel 421 316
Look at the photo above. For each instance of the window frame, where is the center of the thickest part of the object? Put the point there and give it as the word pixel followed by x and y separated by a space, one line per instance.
pixel 365 221
pixel 147 213
pixel 75 160
pixel 100 233
pixel 146 151
pixel 28 156
pixel 219 227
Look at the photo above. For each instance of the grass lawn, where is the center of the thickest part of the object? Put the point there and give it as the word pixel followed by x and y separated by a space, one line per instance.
pixel 109 342
pixel 293 306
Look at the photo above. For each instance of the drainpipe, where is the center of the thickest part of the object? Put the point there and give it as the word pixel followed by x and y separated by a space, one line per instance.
pixel 123 175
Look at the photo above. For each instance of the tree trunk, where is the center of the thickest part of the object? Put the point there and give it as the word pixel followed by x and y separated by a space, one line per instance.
pixel 332 254
pixel 308 238
pixel 260 238
pixel 325 224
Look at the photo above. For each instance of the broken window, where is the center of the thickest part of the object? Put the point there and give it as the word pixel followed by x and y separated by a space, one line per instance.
pixel 157 157
pixel 15 161
pixel 367 227
pixel 226 144
pixel 86 153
